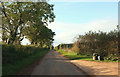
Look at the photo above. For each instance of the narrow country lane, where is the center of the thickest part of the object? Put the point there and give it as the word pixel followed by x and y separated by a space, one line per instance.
pixel 54 64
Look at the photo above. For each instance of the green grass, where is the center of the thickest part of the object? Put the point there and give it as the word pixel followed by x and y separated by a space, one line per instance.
pixel 12 68
pixel 74 56
pixel 105 60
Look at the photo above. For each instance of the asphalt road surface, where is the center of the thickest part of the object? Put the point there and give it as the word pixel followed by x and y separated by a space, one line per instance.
pixel 55 64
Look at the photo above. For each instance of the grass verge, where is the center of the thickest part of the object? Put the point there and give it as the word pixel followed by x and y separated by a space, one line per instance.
pixel 74 56
pixel 11 69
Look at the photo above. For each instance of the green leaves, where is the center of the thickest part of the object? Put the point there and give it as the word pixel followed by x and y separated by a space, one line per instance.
pixel 39 35
pixel 103 43
pixel 29 19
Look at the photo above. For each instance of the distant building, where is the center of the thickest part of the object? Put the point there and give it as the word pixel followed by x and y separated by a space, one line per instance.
pixel 64 46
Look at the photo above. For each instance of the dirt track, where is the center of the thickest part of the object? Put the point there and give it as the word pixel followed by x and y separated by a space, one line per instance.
pixel 55 64
pixel 97 68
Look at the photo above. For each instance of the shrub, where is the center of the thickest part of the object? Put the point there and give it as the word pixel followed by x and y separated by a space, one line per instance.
pixel 11 53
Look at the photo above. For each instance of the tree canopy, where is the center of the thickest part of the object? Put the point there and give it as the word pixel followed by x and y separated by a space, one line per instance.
pixel 27 19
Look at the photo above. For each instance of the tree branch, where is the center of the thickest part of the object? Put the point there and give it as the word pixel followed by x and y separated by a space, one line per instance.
pixel 5 29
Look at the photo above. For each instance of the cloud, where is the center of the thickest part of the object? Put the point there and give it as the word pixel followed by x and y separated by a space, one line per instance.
pixel 65 32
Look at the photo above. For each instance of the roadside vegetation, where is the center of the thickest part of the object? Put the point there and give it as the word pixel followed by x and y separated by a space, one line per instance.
pixel 25 20
pixel 14 59
pixel 74 56
pixel 103 43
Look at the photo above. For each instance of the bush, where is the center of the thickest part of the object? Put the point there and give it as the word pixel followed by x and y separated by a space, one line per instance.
pixel 75 48
pixel 16 58
pixel 11 53
pixel 99 42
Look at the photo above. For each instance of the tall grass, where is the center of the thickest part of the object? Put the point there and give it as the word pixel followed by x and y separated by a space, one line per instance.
pixel 15 58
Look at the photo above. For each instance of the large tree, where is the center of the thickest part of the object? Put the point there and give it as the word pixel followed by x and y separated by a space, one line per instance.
pixel 16 16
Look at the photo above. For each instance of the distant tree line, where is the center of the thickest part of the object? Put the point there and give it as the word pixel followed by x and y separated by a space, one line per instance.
pixel 27 20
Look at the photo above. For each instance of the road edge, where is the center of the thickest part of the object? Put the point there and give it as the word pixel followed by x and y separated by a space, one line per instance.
pixel 30 67
pixel 77 66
